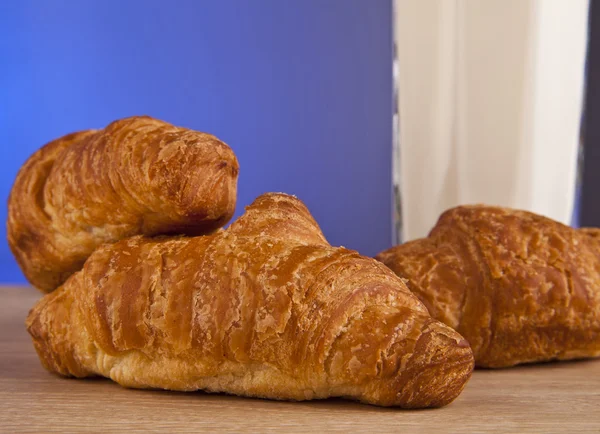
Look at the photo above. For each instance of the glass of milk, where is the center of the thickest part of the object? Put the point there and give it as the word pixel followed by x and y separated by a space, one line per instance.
pixel 489 98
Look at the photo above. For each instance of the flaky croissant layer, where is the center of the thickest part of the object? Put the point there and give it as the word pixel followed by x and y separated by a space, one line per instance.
pixel 136 176
pixel 519 287
pixel 266 308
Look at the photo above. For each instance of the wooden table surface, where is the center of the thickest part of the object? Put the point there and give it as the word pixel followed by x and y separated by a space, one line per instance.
pixel 557 397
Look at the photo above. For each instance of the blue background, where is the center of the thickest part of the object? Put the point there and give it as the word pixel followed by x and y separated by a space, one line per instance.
pixel 301 90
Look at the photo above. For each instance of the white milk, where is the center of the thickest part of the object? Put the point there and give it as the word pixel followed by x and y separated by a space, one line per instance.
pixel 490 95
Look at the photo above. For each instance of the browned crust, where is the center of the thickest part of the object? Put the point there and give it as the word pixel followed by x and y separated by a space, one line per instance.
pixel 137 176
pixel 520 287
pixel 266 308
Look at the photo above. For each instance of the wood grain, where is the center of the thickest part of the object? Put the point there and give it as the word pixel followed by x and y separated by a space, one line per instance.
pixel 550 398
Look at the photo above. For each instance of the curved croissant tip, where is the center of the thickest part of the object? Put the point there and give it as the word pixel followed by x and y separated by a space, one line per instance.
pixel 442 366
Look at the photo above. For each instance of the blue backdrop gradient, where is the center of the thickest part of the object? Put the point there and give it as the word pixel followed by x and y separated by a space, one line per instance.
pixel 301 90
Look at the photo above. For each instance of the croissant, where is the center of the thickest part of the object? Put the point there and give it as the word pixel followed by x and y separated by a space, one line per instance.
pixel 266 308
pixel 519 287
pixel 137 176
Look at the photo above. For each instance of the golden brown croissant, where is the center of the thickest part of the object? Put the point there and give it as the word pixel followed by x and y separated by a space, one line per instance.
pixel 137 176
pixel 519 287
pixel 266 308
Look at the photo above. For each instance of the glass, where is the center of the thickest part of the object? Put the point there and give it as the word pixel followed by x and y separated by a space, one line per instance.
pixel 489 98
